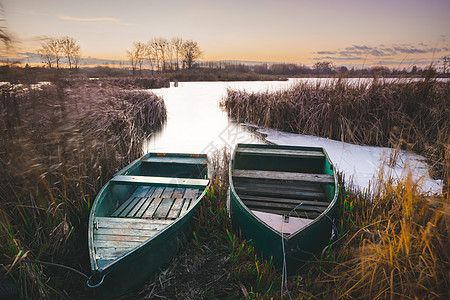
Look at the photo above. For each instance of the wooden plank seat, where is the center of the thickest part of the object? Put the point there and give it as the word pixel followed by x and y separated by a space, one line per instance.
pixel 291 176
pixel 280 152
pixel 153 180
pixel 116 236
pixel 157 202
pixel 175 160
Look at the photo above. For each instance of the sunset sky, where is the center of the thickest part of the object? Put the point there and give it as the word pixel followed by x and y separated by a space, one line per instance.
pixel 395 33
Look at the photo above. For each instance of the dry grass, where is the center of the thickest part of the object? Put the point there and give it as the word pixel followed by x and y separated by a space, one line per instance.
pixel 412 114
pixel 59 145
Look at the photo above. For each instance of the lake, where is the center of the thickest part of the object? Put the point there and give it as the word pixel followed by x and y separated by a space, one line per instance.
pixel 196 124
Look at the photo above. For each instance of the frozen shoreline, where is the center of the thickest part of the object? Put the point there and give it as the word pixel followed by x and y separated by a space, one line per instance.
pixel 360 164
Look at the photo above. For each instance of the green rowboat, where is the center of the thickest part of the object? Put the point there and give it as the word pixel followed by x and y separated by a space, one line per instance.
pixel 282 198
pixel 141 217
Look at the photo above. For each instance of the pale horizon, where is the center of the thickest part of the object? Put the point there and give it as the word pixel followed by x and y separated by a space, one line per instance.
pixel 398 33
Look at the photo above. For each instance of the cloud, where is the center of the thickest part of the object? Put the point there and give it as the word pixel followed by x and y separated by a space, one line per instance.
pixel 113 20
pixel 384 52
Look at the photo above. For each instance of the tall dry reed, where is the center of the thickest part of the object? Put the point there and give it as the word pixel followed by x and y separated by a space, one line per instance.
pixel 59 145
pixel 412 114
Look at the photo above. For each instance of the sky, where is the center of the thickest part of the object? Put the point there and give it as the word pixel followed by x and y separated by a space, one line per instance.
pixel 394 33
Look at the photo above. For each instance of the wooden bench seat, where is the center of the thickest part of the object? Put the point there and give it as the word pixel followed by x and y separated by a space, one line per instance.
pixel 165 181
pixel 303 177
pixel 175 160
pixel 114 237
pixel 280 152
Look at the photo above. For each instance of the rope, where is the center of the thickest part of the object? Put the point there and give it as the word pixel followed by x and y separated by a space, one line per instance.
pixel 284 274
pixel 88 278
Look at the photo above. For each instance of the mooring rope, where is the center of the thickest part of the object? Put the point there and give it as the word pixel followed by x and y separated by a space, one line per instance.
pixel 88 278
pixel 284 270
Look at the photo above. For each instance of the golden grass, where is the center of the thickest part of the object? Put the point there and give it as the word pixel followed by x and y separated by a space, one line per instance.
pixel 60 144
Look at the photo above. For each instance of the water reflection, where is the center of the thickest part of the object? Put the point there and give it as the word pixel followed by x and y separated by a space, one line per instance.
pixel 195 121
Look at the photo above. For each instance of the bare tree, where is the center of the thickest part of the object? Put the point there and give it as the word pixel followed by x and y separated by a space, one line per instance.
pixel 190 52
pixel 324 67
pixel 71 50
pixel 177 44
pixel 153 54
pixel 52 52
pixel 161 45
pixel 137 56
pixel 4 36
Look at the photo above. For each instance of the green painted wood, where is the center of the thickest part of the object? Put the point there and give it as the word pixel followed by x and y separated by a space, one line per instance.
pixel 128 250
pixel 153 180
pixel 274 179
pixel 288 193
pixel 305 177
pixel 176 160
pixel 283 200
pixel 283 206
pixel 280 152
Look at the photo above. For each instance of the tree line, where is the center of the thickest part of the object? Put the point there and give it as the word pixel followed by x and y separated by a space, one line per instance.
pixel 59 50
pixel 163 54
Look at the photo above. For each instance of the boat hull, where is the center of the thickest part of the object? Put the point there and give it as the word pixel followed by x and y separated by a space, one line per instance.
pixel 141 218
pixel 301 245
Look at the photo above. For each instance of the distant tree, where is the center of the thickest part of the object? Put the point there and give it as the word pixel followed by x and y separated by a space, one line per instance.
pixel 137 56
pixel 324 67
pixel 152 54
pixel 4 36
pixel 71 50
pixel 190 52
pixel 177 44
pixel 51 52
pixel 445 63
pixel 162 48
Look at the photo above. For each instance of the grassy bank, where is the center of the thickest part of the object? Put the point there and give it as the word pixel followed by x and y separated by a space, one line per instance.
pixel 392 242
pixel 59 144
pixel 414 115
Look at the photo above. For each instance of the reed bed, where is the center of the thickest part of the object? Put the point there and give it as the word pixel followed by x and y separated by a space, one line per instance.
pixel 136 82
pixel 412 114
pixel 59 144
pixel 392 242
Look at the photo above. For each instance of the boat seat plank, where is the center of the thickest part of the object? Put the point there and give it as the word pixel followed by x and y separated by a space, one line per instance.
pixel 255 204
pixel 116 244
pixel 284 200
pixel 131 238
pixel 168 192
pixel 153 180
pixel 278 193
pixel 130 207
pixel 186 204
pixel 278 184
pixel 191 193
pixel 145 204
pixel 301 214
pixel 157 192
pixel 163 208
pixel 175 209
pixel 175 160
pixel 304 177
pixel 152 208
pixel 178 193
pixel 128 223
pixel 281 152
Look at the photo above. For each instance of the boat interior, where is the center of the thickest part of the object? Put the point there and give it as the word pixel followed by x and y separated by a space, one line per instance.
pixel 138 204
pixel 274 183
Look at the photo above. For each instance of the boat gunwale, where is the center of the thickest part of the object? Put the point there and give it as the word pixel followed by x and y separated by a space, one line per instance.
pixel 302 229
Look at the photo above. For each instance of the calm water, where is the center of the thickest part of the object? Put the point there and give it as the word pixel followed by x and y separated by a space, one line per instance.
pixel 196 124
